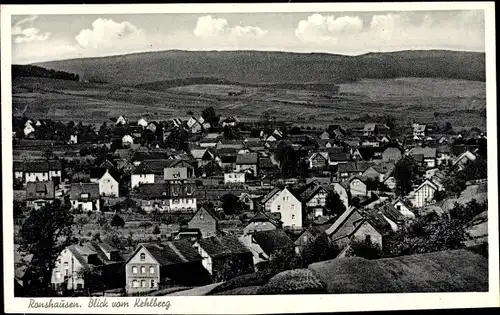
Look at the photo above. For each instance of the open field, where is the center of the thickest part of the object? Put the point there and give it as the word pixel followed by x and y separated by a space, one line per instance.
pixel 422 99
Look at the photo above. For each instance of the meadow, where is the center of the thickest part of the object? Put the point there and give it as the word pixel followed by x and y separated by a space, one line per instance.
pixel 407 99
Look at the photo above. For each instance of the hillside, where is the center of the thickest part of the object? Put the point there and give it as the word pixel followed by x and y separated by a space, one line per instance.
pixel 255 67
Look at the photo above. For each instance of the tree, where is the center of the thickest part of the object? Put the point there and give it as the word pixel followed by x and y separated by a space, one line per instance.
pixel 156 230
pixel 455 183
pixel 406 173
pixel 80 222
pixel 477 169
pixel 448 128
pixel 92 277
pixel 117 221
pixel 390 122
pixel 102 222
pixel 19 208
pixel 231 204
pixel 44 234
pixel 284 259
pixel 334 204
pixel 365 249
pixel 319 249
pixel 287 158
pixel 209 115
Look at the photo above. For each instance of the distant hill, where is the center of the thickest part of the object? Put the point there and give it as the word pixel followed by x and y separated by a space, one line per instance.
pixel 34 71
pixel 255 67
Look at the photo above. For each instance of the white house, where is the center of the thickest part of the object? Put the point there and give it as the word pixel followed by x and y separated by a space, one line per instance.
pixel 127 140
pixel 289 207
pixel 108 184
pixel 463 159
pixel 234 178
pixel 142 122
pixel 28 130
pixel 38 171
pixel 191 122
pixel 195 128
pixel 121 121
pixel 403 209
pixel 341 190
pixel 85 196
pixel 424 194
pixel 73 139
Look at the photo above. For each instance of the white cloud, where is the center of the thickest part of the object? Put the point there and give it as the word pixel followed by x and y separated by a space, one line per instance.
pixel 320 28
pixel 209 27
pixel 23 34
pixel 106 33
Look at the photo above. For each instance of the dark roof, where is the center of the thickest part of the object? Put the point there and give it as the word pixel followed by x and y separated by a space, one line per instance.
pixel 174 252
pixel 247 158
pixel 34 189
pixel 316 230
pixel 338 156
pixel 207 210
pixel 272 240
pixel 42 166
pixel 354 167
pixel 262 217
pixel 84 188
pixel 222 245
pixel 270 194
pixel 155 166
pixel 18 166
pixel 153 191
pixel 339 229
pixel 391 213
pixel 376 219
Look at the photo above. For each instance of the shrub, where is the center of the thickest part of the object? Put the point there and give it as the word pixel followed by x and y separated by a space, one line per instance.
pixel 293 282
pixel 117 221
pixel 156 230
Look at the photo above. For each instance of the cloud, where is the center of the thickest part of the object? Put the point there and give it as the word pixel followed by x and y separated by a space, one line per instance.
pixel 23 34
pixel 106 33
pixel 209 27
pixel 320 28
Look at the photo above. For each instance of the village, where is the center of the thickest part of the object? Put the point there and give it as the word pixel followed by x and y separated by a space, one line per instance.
pixel 153 207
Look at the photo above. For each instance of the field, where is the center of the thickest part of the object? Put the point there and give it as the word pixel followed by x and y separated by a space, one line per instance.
pixel 423 99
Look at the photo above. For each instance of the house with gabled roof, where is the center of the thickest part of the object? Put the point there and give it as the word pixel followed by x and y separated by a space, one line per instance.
pixel 423 195
pixel 429 155
pixel 205 220
pixel 150 171
pixel 460 161
pixel 247 162
pixel 108 181
pixel 419 130
pixel 261 222
pixel 121 121
pixel 155 266
pixel 230 122
pixel 265 244
pixel 391 154
pixel 38 194
pixel 347 170
pixel 85 196
pixel 96 255
pixel 324 135
pixel 202 156
pixel 290 208
pixel 357 186
pixel 313 197
pixel 310 234
pixel 267 200
pixel 219 251
pixel 42 170
pixel 142 122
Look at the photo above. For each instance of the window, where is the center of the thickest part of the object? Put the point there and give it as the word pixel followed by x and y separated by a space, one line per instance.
pixel 143 257
pixel 293 216
pixel 134 270
pixel 66 265
pixel 143 269
pixel 135 283
pixel 143 283
pixel 153 284
pixel 368 238
pixel 152 270
pixel 201 216
pixel 279 207
pixel 58 275
pixel 84 195
pixel 79 286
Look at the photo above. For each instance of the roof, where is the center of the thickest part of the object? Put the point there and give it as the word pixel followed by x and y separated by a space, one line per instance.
pixel 247 158
pixel 427 152
pixel 153 191
pixel 98 172
pixel 172 253
pixel 418 127
pixel 42 166
pixel 265 162
pixel 262 217
pixel 270 194
pixel 272 240
pixel 369 127
pixel 316 230
pixel 34 189
pixel 392 213
pixel 392 151
pixel 198 153
pixel 207 210
pixel 154 166
pixel 77 189
pixel 222 246
pixel 339 229
pixel 354 167
pixel 309 191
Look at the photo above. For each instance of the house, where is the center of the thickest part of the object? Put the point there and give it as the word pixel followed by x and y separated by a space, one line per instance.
pixel 247 200
pixel 196 128
pixel 142 122
pixel 357 186
pixel 309 235
pixel 352 225
pixel 191 122
pixel 318 160
pixel 342 189
pixel 18 170
pixel 347 170
pixel 380 172
pixel 92 255
pixel 313 197
pixel 260 222
pixel 443 154
pixel 121 121
pixel 424 194
pixel 369 129
pixel 127 140
pixel 289 207
pixel 324 135
pixel 264 245
pixel 153 196
pixel 403 208
pixel 182 195
pixel 154 266
pixel 157 171
pixel 419 130
pixel 464 158
pixel 73 138
pixel 247 161
pixel 429 155
pixel 43 170
pixel 107 180
pixel 29 130
pixel 152 126
pixel 230 122
pixel 85 196
pixel 223 252
pixel 205 220
pixel 38 194
pixel 336 157
pixel 267 200
pixel 202 156
pixel 234 178
pixel 391 154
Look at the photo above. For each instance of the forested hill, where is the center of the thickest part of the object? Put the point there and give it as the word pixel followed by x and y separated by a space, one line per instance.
pixel 274 67
pixel 34 71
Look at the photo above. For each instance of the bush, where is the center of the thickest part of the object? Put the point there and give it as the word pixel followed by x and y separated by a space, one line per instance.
pixel 294 281
pixel 156 230
pixel 117 221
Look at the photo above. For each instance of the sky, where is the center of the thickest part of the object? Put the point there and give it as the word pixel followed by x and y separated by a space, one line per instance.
pixel 37 38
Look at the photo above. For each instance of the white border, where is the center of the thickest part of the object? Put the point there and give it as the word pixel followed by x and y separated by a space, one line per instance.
pixel 259 304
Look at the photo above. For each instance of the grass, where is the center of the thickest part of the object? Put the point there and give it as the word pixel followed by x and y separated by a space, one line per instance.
pixel 447 271
pixel 457 101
